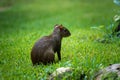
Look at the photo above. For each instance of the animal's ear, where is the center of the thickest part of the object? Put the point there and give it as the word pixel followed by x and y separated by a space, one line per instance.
pixel 61 27
pixel 56 26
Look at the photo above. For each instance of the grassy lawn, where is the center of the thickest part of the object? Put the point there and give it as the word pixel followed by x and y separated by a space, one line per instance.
pixel 24 22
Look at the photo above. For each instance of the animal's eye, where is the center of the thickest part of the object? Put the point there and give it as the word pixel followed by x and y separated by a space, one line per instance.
pixel 65 30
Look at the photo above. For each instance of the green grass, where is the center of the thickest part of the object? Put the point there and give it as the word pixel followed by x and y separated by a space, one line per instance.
pixel 23 22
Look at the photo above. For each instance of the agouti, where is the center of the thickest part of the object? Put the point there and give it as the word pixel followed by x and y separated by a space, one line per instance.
pixel 45 48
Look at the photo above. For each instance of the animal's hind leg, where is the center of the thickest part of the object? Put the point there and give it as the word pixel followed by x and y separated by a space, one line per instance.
pixel 50 57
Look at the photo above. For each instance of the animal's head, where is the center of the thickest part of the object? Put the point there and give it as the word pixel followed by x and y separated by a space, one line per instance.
pixel 63 31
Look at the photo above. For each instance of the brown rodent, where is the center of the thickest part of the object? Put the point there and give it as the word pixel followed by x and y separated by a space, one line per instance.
pixel 44 49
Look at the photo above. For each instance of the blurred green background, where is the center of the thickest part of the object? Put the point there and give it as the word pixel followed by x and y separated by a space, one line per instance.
pixel 22 22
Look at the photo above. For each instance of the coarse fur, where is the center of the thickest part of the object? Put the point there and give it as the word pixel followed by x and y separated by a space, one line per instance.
pixel 44 49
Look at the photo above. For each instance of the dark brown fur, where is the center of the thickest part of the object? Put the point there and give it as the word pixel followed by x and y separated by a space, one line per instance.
pixel 44 49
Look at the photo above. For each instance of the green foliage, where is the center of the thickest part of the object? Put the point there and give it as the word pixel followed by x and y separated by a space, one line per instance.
pixel 109 34
pixel 117 2
pixel 26 21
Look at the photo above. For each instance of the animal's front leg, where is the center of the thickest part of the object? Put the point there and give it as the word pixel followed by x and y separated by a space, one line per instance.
pixel 59 55
pixel 58 52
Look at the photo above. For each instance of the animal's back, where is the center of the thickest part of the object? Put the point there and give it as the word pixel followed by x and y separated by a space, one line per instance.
pixel 41 50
